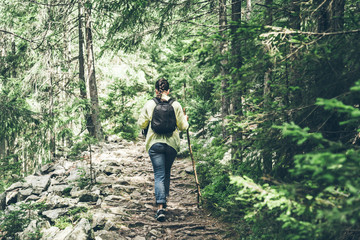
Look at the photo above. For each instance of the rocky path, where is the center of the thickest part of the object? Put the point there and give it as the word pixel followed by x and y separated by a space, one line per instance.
pixel 119 206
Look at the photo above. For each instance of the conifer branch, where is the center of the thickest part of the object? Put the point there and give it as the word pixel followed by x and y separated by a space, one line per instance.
pixel 16 35
pixel 50 5
pixel 279 30
pixel 318 7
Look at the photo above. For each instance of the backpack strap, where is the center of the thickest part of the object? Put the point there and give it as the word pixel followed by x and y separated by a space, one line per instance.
pixel 156 100
pixel 170 101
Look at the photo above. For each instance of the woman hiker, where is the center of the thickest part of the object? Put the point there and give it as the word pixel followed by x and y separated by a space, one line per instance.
pixel 162 145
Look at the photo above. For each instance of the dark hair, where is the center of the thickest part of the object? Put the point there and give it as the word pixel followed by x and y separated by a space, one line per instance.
pixel 161 85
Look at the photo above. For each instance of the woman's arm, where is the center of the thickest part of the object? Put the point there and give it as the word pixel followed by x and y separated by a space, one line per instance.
pixel 145 117
pixel 181 118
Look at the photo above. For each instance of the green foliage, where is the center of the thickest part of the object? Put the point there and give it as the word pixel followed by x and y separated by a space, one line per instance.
pixel 71 217
pixel 15 115
pixel 78 212
pixel 34 235
pixel 198 113
pixel 66 192
pixel 264 203
pixel 301 135
pixel 282 64
pixel 118 109
pixel 218 193
pixel 82 144
pixel 17 124
pixel 84 180
pixel 85 144
pixel 10 168
pixel 78 148
pixel 17 220
pixel 63 222
pixel 325 199
pixel 14 222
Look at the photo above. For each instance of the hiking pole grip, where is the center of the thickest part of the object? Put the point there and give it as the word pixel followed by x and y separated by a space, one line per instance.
pixel 193 164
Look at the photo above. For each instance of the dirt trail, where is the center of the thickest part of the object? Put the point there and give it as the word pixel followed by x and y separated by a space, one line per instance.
pixel 183 219
pixel 121 205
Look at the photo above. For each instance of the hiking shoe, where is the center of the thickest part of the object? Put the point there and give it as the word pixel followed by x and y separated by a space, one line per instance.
pixel 160 215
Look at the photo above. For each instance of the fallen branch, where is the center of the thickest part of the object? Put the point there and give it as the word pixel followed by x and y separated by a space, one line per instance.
pixel 132 224
pixel 190 228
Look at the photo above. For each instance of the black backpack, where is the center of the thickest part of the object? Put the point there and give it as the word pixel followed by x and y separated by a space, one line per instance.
pixel 163 119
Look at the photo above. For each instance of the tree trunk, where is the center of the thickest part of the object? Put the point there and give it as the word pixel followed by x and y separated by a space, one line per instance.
pixel 237 89
pixel 294 16
pixel 248 9
pixel 267 75
pixel 266 153
pixel 50 71
pixel 2 51
pixel 269 66
pixel 296 98
pixel 13 52
pixel 82 83
pixel 269 12
pixel 52 142
pixel 94 100
pixel 223 47
pixel 323 19
pixel 330 16
pixel 67 141
pixel 337 15
pixel 4 54
pixel 2 148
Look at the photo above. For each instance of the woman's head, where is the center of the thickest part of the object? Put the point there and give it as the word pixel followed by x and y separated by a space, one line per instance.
pixel 161 86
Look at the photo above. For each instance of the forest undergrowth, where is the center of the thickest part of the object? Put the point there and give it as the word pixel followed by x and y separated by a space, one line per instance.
pixel 271 89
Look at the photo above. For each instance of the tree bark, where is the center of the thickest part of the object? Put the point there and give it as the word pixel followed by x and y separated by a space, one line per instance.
pixel 52 130
pixel 223 47
pixel 267 75
pixel 294 16
pixel 248 9
pixel 2 53
pixel 330 15
pixel 294 98
pixel 266 153
pixel 269 66
pixel 237 89
pixel 236 56
pixel 94 100
pixel 67 141
pixel 337 15
pixel 82 83
pixel 324 13
pixel 52 125
pixel 13 51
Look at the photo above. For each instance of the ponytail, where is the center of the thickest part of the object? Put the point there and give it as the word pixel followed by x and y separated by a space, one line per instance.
pixel 161 86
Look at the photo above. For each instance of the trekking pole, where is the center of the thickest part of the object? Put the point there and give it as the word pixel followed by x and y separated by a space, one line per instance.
pixel 194 167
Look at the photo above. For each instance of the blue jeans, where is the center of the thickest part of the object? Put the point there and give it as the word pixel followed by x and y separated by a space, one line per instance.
pixel 162 157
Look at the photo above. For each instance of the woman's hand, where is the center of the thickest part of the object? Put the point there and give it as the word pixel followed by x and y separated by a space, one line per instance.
pixel 186 116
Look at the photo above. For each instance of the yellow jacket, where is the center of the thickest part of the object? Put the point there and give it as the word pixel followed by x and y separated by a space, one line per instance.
pixel 151 137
